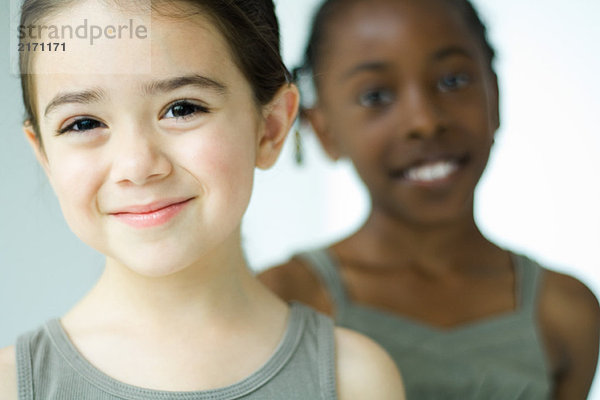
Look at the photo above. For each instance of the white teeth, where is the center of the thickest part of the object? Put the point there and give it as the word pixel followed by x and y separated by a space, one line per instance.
pixel 432 172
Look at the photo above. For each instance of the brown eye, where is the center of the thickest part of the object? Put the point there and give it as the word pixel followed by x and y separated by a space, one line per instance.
pixel 451 82
pixel 379 97
pixel 82 125
pixel 184 109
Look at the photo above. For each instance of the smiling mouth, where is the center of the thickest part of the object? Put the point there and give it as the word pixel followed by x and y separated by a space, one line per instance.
pixel 433 171
pixel 147 217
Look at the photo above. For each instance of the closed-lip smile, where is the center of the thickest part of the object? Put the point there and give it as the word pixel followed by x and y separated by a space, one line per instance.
pixel 152 214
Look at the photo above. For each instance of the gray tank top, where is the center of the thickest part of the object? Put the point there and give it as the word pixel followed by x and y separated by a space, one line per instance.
pixel 301 368
pixel 499 357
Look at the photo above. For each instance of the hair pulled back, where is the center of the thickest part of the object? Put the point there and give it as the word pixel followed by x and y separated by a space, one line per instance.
pixel 330 8
pixel 250 28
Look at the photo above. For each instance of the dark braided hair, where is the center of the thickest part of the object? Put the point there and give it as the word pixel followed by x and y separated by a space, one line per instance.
pixel 330 8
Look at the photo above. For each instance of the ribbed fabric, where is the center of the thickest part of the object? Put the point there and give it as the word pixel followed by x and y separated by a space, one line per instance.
pixel 499 357
pixel 301 368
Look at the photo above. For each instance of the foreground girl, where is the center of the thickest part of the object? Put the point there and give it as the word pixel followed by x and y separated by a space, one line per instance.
pixel 407 91
pixel 150 146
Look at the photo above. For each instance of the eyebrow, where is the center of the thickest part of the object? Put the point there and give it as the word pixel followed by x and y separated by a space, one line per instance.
pixel 368 66
pixel 451 51
pixel 375 66
pixel 161 86
pixel 82 97
pixel 168 85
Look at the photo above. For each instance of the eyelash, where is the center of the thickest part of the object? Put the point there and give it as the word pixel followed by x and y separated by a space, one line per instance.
pixel 71 126
pixel 384 96
pixel 197 109
pixel 96 124
pixel 453 82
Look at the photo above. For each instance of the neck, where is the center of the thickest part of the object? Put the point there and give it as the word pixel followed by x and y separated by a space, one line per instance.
pixel 436 247
pixel 219 286
pixel 197 319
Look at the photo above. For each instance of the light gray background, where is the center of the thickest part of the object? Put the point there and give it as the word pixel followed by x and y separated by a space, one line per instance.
pixel 539 195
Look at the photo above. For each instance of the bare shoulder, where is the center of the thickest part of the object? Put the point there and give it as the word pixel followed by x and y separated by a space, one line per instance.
pixel 294 281
pixel 8 373
pixel 570 319
pixel 364 369
pixel 567 302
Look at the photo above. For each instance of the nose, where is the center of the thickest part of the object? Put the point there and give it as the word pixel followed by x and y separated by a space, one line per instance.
pixel 422 114
pixel 138 157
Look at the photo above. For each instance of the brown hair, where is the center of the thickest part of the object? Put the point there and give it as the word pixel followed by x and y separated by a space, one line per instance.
pixel 249 26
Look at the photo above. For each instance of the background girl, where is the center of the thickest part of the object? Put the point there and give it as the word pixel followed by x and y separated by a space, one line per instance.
pixel 150 147
pixel 407 91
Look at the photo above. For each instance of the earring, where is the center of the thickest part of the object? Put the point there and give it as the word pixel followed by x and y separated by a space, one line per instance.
pixel 298 149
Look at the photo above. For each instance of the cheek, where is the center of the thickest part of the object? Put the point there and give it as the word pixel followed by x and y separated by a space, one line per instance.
pixel 473 110
pixel 76 185
pixel 479 125
pixel 364 138
pixel 223 164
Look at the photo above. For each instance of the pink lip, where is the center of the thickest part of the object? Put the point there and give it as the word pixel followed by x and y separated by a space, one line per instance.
pixel 151 215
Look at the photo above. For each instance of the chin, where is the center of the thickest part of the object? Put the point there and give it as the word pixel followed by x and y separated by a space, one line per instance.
pixel 436 221
pixel 154 267
pixel 442 214
pixel 158 259
pixel 444 217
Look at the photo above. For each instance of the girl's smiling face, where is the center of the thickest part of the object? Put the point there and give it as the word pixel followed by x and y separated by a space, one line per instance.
pixel 406 92
pixel 154 170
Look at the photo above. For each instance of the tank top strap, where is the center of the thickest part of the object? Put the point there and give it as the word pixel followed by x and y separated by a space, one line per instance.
pixel 322 262
pixel 326 354
pixel 24 367
pixel 529 275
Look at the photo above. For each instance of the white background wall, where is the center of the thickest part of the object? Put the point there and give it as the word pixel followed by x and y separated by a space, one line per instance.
pixel 539 195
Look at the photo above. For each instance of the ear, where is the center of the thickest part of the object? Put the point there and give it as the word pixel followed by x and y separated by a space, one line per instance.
pixel 318 121
pixel 279 116
pixel 36 146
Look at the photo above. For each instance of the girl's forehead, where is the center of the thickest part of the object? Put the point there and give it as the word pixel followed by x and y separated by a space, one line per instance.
pixel 367 28
pixel 173 49
pixel 96 37
pixel 408 17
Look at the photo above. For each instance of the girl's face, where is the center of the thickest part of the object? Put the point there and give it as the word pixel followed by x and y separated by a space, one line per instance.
pixel 154 170
pixel 406 93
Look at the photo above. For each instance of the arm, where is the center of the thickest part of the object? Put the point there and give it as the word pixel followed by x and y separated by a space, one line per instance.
pixel 295 281
pixel 8 374
pixel 364 369
pixel 570 320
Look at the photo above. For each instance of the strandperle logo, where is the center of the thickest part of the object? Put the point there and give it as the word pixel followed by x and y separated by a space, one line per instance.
pixel 82 31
